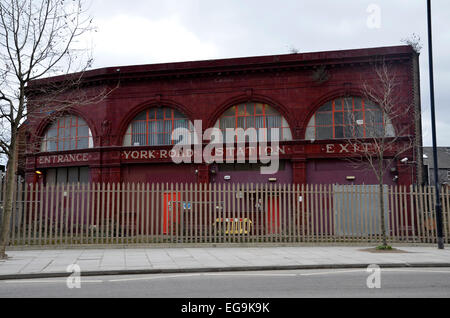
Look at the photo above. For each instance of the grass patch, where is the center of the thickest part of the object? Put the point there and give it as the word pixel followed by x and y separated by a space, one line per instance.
pixel 384 248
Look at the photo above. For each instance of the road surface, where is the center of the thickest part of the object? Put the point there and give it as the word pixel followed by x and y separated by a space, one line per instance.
pixel 427 282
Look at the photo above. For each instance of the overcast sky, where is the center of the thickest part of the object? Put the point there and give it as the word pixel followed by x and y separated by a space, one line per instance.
pixel 155 31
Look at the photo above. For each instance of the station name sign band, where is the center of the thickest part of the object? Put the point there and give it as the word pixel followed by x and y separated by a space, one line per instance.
pixel 130 155
pixel 64 159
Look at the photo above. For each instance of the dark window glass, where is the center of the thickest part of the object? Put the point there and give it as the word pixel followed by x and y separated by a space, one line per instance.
pixel 374 117
pixel 324 132
pixel 338 118
pixel 61 175
pixel 358 103
pixel 348 104
pixel 154 127
pixel 351 117
pixel 324 119
pixel 84 175
pixel 328 107
pixel 66 133
pixel 338 105
pixel 73 176
pixel 67 175
pixel 254 115
pixel 339 132
pixel 51 176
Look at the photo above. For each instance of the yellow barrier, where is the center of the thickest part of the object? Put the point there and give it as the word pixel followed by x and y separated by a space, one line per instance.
pixel 234 226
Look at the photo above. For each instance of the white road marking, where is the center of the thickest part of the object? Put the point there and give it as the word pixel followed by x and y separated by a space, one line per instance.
pixel 83 281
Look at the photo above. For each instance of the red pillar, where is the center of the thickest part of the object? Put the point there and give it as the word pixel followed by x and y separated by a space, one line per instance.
pixel 405 174
pixel 299 171
pixel 203 174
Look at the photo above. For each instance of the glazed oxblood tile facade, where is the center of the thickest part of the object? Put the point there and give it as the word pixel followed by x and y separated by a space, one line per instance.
pixel 126 137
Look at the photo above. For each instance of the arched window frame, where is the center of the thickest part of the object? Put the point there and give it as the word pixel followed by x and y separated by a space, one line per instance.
pixel 65 134
pixel 245 116
pixel 342 124
pixel 148 120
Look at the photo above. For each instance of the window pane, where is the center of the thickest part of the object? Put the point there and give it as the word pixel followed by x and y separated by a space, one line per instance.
pixel 374 117
pixel 351 120
pixel 250 122
pixel 83 143
pixel 141 116
pixel 348 104
pixel 51 146
pixel 358 103
pixel 73 175
pixel 338 118
pixel 161 139
pixel 84 175
pixel 370 105
pixel 168 126
pixel 338 104
pixel 251 115
pixel 51 176
pixel 328 107
pixel 241 110
pixel 251 109
pixel 83 131
pixel 374 131
pixel 259 109
pixel 230 112
pixel 359 116
pixel 61 175
pixel 349 132
pixel 359 130
pixel 324 132
pixel 227 122
pixel 339 132
pixel 177 114
pixel 67 144
pixel 241 122
pixel 259 122
pixel 62 134
pixel 271 111
pixel 52 133
pixel 273 122
pixel 324 119
pixel 159 113
pixel 168 113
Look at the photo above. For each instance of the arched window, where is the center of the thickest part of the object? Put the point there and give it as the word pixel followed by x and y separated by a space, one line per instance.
pixel 350 117
pixel 67 133
pixel 255 115
pixel 154 127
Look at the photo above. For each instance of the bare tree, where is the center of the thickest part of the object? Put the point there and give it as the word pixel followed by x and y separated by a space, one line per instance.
pixel 293 50
pixel 38 39
pixel 414 41
pixel 376 144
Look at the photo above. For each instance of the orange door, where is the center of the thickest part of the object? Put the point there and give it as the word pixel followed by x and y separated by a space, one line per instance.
pixel 273 216
pixel 171 211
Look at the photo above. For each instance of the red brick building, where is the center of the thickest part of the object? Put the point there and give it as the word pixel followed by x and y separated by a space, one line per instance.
pixel 126 136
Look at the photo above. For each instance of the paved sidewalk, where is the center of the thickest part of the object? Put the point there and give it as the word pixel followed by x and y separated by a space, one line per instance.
pixel 53 263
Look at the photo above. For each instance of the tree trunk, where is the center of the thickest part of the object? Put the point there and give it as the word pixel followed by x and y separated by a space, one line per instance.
pixel 8 203
pixel 382 219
